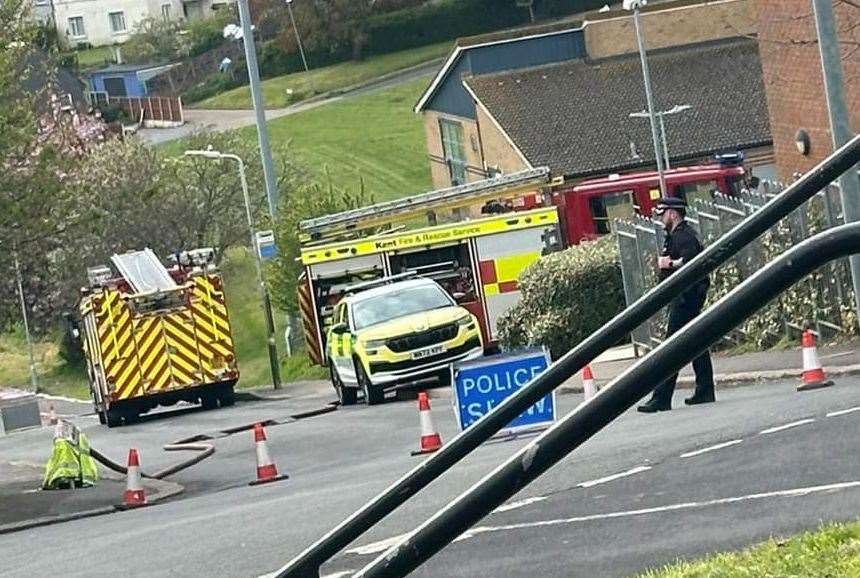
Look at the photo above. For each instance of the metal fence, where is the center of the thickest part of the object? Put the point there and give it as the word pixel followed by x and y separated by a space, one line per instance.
pixel 821 300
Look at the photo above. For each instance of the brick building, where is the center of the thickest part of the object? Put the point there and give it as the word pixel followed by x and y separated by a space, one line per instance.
pixel 793 79
pixel 469 137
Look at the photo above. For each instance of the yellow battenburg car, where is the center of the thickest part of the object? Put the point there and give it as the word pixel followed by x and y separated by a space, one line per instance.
pixel 397 333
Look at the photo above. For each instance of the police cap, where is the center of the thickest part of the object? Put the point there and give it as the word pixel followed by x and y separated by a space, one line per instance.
pixel 667 203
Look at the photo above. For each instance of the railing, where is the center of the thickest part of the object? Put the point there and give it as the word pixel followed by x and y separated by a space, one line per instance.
pixel 820 300
pixel 307 564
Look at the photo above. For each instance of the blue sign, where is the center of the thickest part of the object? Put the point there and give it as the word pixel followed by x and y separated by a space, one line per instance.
pixel 266 245
pixel 483 384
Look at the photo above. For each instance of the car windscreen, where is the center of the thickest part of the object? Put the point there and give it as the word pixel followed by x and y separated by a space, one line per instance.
pixel 396 304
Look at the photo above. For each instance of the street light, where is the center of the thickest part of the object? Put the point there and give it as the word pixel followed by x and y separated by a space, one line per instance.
pixel 636 6
pixel 264 294
pixel 674 110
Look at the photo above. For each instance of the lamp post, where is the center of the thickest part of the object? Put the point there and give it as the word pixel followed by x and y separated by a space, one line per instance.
pixel 264 293
pixel 246 34
pixel 674 110
pixel 34 379
pixel 299 43
pixel 636 6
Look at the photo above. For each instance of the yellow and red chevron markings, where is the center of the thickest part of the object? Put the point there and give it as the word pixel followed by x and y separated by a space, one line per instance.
pixel 149 352
pixel 308 322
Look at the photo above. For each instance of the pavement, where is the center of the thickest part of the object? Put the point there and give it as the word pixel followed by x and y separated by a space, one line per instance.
pixel 197 120
pixel 763 460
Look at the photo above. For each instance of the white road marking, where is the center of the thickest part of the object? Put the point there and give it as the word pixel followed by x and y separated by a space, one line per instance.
pixel 519 504
pixel 843 411
pixel 377 547
pixel 797 492
pixel 599 481
pixel 771 430
pixel 339 574
pixel 711 448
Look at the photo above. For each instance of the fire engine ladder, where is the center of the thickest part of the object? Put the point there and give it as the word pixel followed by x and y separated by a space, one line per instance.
pixel 404 209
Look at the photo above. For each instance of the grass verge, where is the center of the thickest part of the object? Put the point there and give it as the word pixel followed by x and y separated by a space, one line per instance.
pixel 306 84
pixel 832 550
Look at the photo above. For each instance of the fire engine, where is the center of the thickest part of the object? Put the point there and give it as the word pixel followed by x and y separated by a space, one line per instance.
pixel 588 209
pixel 155 336
pixel 477 261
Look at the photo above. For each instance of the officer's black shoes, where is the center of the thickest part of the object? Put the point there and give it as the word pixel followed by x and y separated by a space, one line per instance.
pixel 653 406
pixel 697 399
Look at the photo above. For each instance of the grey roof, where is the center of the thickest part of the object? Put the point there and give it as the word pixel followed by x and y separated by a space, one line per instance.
pixel 573 116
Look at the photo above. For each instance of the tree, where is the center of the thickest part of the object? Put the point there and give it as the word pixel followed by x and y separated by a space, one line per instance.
pixel 309 201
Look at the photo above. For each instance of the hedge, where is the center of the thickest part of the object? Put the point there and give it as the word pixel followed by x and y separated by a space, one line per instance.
pixel 566 296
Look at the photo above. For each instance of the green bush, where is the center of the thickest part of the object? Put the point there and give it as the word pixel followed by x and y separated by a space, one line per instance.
pixel 207 34
pixel 556 8
pixel 566 297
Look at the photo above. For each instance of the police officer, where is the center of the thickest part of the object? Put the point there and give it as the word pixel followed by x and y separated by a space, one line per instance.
pixel 679 249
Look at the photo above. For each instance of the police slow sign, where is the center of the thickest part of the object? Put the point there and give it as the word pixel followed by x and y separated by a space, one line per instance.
pixel 481 385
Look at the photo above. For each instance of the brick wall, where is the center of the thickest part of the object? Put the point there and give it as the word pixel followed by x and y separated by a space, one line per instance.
pixel 793 79
pixel 671 26
pixel 498 151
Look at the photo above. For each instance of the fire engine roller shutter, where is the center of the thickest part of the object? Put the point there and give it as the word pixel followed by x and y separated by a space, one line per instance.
pixel 117 343
pixel 501 258
pixel 208 326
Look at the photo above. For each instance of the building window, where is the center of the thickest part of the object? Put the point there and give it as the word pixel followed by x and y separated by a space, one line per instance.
pixel 165 11
pixel 117 22
pixel 76 27
pixel 605 209
pixel 454 151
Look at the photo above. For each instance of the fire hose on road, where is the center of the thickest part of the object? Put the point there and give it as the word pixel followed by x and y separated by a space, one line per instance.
pixel 205 450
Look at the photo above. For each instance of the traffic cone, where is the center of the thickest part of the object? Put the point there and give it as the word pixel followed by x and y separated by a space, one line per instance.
pixel 134 496
pixel 430 438
pixel 813 374
pixel 267 471
pixel 588 386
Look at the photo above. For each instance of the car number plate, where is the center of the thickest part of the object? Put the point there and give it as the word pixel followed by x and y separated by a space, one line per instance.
pixel 428 352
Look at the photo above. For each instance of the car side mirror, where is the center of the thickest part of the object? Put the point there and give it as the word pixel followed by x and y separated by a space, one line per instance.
pixel 339 328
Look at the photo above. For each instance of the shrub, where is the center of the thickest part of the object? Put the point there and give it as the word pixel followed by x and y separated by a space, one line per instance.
pixel 212 86
pixel 207 34
pixel 566 297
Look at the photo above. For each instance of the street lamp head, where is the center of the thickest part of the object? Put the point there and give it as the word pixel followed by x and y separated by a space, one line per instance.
pixel 634 4
pixel 209 154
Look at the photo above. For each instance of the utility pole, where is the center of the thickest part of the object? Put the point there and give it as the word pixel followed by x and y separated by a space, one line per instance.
pixel 259 108
pixel 34 379
pixel 840 123
pixel 635 6
pixel 299 42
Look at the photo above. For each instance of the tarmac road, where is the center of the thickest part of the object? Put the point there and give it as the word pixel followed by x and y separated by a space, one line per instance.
pixel 677 500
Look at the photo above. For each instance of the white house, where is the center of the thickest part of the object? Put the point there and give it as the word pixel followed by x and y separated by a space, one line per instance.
pixel 105 22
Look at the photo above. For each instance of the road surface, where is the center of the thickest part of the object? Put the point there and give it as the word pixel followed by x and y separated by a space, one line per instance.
pixel 764 460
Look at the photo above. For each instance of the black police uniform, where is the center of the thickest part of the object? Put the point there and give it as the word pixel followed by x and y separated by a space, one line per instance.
pixel 682 243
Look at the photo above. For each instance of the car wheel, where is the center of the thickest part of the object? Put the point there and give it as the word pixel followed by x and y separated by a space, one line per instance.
pixel 208 401
pixel 102 418
pixel 345 395
pixel 227 397
pixel 373 395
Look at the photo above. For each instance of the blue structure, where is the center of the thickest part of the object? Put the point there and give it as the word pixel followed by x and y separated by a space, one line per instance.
pixel 125 79
pixel 447 94
pixel 481 385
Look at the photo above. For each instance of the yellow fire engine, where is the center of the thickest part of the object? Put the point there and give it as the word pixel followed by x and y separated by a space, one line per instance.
pixel 478 261
pixel 155 336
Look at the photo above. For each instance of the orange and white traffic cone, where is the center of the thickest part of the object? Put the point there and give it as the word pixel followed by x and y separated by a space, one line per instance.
pixel 430 441
pixel 813 374
pixel 134 496
pixel 588 386
pixel 267 471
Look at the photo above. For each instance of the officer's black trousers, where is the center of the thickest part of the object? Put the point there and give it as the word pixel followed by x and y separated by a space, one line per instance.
pixel 681 311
